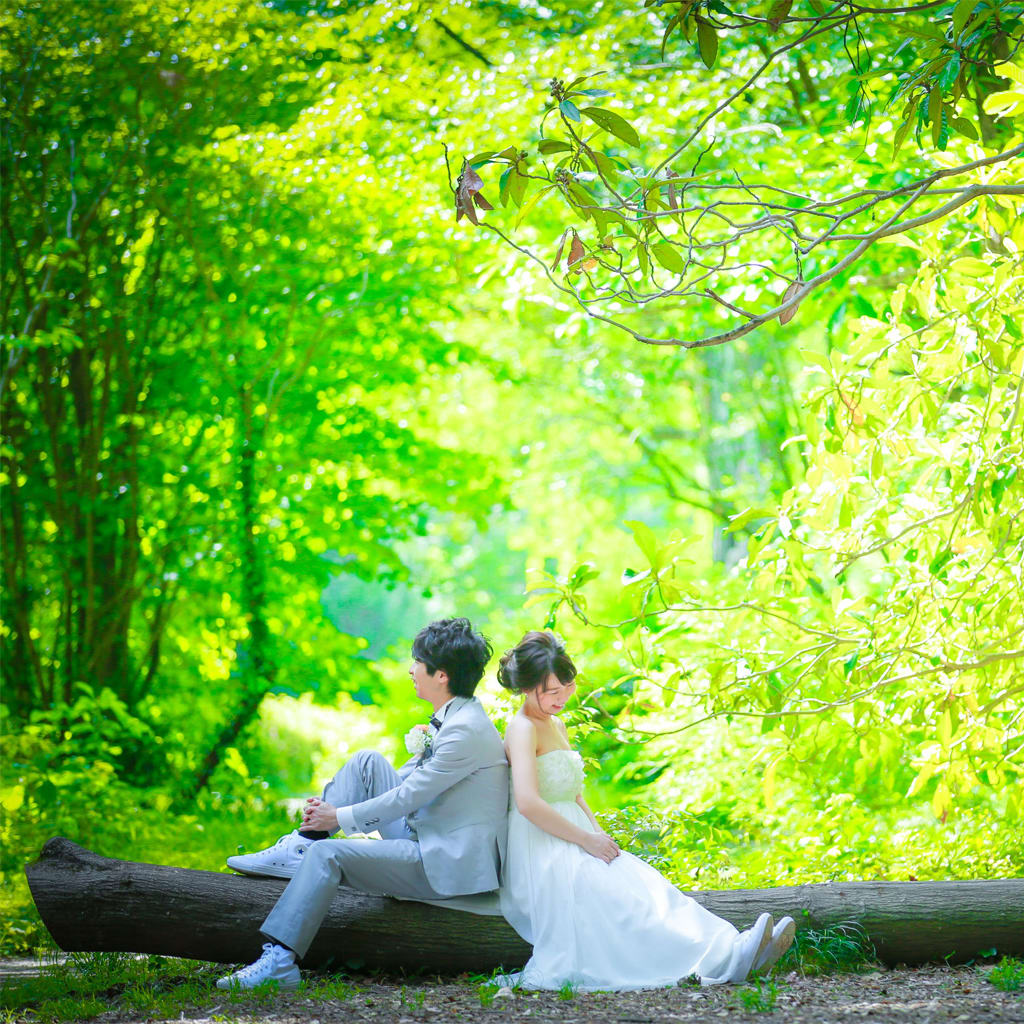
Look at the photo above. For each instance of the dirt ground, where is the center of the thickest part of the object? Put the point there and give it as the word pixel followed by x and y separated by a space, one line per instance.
pixel 926 995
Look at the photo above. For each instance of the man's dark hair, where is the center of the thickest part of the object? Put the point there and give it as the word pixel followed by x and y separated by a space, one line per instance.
pixel 453 646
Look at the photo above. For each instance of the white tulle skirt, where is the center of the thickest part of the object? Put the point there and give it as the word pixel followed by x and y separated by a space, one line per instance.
pixel 600 926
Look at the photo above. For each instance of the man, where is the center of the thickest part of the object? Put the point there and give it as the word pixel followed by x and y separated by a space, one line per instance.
pixel 442 818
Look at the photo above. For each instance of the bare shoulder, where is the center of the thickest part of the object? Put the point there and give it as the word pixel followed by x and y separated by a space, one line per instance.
pixel 520 728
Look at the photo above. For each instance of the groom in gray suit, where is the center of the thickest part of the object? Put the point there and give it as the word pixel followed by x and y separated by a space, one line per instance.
pixel 442 818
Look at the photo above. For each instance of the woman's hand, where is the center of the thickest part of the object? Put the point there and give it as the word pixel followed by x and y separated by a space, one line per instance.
pixel 602 846
pixel 319 816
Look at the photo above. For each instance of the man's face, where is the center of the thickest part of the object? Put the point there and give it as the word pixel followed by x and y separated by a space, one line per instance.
pixel 431 688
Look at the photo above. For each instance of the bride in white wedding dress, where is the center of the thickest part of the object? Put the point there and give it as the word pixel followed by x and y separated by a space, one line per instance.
pixel 598 917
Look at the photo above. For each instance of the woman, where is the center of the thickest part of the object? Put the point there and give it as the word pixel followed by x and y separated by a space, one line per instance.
pixel 598 918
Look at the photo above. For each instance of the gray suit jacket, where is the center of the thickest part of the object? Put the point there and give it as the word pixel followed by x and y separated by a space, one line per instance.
pixel 456 801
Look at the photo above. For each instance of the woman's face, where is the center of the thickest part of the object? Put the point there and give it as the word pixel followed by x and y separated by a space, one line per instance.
pixel 552 695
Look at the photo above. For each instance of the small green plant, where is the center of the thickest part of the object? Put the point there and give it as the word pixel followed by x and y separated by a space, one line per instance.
pixel 690 981
pixel 760 996
pixel 1008 974
pixel 333 986
pixel 843 947
pixel 568 990
pixel 262 994
pixel 487 991
pixel 70 1008
pixel 414 1001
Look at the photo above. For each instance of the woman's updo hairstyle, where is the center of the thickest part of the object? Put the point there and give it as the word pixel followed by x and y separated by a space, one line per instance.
pixel 532 660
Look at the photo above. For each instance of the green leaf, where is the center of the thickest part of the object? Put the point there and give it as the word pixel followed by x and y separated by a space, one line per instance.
pixel 644 261
pixel 777 13
pixel 569 110
pixel 738 521
pixel 853 104
pixel 604 164
pixel 971 266
pixel 672 23
pixel 935 112
pixel 961 13
pixel 530 203
pixel 669 257
pixel 948 74
pixel 613 123
pixel 921 780
pixel 945 730
pixel 645 540
pixel 707 42
pixel 964 127
pixel 548 146
pixel 583 573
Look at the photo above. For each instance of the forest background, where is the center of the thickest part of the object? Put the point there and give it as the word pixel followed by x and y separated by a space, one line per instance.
pixel 726 389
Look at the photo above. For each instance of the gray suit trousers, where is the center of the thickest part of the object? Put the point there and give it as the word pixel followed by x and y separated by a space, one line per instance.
pixel 389 866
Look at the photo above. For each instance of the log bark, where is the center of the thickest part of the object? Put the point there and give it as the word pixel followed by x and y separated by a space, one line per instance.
pixel 89 902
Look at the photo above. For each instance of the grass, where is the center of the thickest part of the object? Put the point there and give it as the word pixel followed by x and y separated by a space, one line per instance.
pixel 838 948
pixel 89 984
pixel 1008 975
pixel 760 996
pixel 568 991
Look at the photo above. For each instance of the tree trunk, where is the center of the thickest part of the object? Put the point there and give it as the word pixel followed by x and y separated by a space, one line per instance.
pixel 90 902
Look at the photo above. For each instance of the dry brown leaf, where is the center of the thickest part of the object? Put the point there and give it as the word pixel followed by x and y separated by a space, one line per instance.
pixel 558 251
pixel 788 314
pixel 576 250
pixel 467 191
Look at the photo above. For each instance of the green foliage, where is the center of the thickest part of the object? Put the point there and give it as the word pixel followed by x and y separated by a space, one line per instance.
pixel 875 621
pixel 843 947
pixel 759 997
pixel 332 987
pixel 649 191
pixel 189 343
pixel 248 355
pixel 568 991
pixel 89 984
pixel 48 793
pixel 1007 975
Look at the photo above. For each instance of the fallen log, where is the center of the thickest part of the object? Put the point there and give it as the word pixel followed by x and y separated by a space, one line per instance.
pixel 89 902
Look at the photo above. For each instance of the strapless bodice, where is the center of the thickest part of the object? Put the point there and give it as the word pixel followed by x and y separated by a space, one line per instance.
pixel 560 775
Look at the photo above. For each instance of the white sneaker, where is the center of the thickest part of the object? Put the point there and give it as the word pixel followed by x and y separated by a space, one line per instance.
pixel 782 939
pixel 752 945
pixel 281 860
pixel 276 964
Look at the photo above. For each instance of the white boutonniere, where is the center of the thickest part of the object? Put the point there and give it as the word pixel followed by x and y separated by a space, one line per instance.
pixel 417 740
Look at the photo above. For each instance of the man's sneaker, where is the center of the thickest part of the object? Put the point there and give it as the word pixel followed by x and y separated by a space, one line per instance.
pixel 281 860
pixel 782 939
pixel 276 964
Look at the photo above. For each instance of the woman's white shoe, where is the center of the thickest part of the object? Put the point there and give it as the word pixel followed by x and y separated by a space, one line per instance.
pixel 782 939
pixel 753 943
